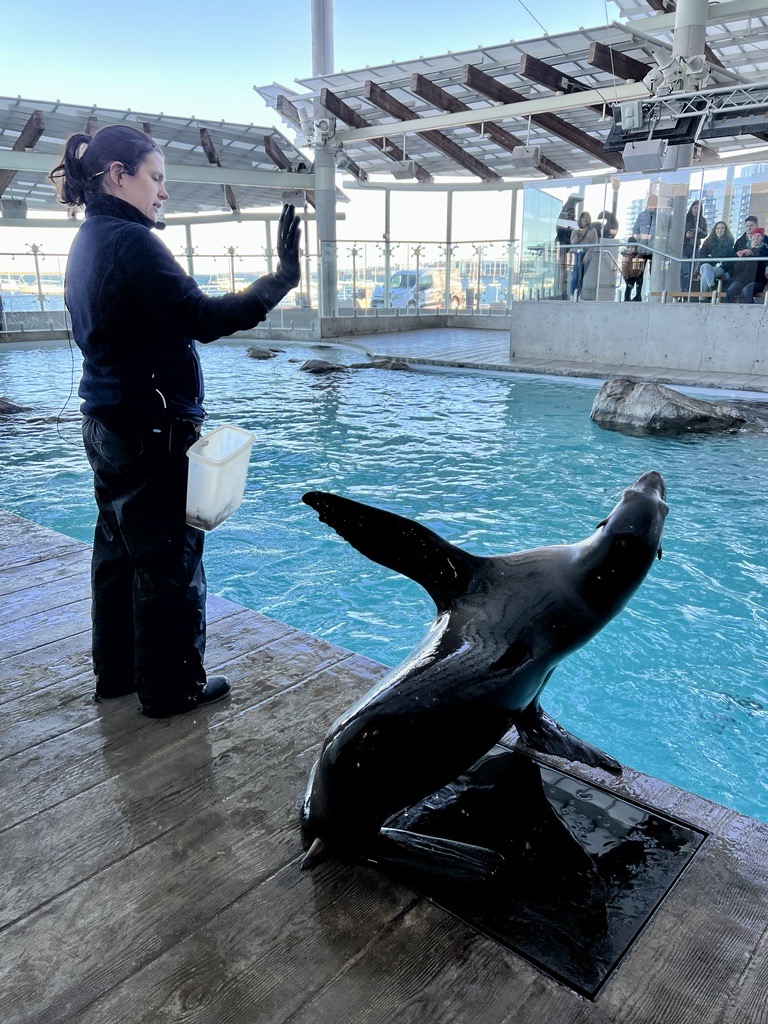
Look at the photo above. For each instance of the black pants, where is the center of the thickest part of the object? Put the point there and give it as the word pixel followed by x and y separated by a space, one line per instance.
pixel 629 284
pixel 147 576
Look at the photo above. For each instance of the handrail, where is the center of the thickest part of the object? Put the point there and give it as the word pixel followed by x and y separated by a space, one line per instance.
pixel 664 255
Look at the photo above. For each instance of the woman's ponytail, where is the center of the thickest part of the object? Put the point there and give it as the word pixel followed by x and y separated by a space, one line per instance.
pixel 80 175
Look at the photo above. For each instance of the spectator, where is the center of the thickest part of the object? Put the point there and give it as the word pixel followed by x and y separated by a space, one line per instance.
pixel 632 270
pixel 645 225
pixel 748 272
pixel 584 236
pixel 719 245
pixel 607 224
pixel 695 231
pixel 742 242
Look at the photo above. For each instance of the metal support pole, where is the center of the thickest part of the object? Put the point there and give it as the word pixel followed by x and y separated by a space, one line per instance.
pixel 511 246
pixel 325 163
pixel 387 249
pixel 448 247
pixel 268 246
pixel 190 250
pixel 325 194
pixel 689 40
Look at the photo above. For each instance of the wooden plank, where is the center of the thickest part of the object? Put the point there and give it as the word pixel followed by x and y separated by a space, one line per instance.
pixel 260 959
pixel 161 847
pixel 390 105
pixel 27 139
pixel 174 755
pixel 341 110
pixel 558 81
pixel 496 90
pixel 307 949
pixel 613 62
pixel 279 159
pixel 59 592
pixel 68 563
pixel 438 97
pixel 43 627
pixel 210 152
pixel 72 760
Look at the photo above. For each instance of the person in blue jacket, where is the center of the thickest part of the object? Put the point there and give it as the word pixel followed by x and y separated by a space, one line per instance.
pixel 135 316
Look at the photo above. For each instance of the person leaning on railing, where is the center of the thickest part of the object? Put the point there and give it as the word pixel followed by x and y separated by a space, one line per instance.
pixel 748 272
pixel 584 236
pixel 632 267
pixel 135 316
pixel 719 245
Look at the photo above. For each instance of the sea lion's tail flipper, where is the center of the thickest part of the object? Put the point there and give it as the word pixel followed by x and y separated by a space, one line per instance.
pixel 443 569
pixel 540 732
pixel 435 857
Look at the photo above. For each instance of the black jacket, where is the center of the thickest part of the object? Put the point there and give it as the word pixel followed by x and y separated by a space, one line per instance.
pixel 751 271
pixel 135 315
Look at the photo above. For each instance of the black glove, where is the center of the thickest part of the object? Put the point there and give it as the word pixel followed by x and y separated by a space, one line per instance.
pixel 271 288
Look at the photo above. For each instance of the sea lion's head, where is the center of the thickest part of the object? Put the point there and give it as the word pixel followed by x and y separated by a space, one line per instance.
pixel 637 522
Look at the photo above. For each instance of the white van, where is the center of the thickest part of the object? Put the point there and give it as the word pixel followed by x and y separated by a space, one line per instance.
pixel 430 293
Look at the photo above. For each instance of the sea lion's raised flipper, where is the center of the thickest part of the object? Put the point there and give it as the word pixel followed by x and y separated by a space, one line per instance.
pixel 435 857
pixel 398 543
pixel 540 732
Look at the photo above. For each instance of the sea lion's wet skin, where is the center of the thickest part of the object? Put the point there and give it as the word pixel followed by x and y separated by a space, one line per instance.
pixel 503 624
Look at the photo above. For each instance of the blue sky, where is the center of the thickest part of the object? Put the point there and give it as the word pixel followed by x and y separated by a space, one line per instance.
pixel 185 57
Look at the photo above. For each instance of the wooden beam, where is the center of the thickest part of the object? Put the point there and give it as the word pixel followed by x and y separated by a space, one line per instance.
pixel 288 110
pixel 28 138
pixel 604 58
pixel 341 110
pixel 279 159
pixel 496 90
pixel 210 151
pixel 426 90
pixel 544 74
pixel 390 105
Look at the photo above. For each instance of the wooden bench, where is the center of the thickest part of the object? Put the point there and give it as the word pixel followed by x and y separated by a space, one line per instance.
pixel 694 295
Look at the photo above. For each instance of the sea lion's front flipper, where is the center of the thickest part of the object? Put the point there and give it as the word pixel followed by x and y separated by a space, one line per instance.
pixel 435 857
pixel 540 732
pixel 398 543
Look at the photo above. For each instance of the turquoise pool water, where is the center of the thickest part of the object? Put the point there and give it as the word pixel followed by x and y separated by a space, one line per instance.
pixel 677 686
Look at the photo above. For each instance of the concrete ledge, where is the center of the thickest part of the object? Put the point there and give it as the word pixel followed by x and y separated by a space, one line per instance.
pixel 682 336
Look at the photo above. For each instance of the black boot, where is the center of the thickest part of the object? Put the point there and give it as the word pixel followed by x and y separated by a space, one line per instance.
pixel 215 689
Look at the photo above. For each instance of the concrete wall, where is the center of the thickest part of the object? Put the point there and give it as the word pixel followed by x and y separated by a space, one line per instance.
pixel 691 336
pixel 353 326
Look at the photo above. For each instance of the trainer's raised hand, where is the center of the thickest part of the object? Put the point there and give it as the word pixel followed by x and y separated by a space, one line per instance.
pixel 288 238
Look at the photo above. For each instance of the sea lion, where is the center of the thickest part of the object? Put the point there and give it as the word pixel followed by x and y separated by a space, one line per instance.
pixel 503 624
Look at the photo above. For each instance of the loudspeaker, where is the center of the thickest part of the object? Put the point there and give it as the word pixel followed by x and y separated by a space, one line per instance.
pixel 645 156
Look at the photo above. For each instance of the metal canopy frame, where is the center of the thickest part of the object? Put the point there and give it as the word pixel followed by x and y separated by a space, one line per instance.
pixel 211 166
pixel 481 99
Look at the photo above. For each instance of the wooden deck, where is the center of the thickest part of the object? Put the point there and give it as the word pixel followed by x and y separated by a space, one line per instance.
pixel 150 869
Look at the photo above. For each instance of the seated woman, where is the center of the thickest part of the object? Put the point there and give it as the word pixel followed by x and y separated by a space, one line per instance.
pixel 748 272
pixel 719 245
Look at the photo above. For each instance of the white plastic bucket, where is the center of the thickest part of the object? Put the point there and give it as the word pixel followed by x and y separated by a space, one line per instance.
pixel 218 466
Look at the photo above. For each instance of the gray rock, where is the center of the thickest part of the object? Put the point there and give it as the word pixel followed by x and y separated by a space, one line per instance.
pixel 321 366
pixel 260 353
pixel 381 364
pixel 641 408
pixel 6 407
